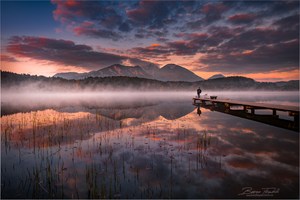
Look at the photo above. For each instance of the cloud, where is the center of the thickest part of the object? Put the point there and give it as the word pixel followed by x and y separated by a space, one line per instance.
pixel 224 32
pixel 265 58
pixel 106 21
pixel 244 18
pixel 150 33
pixel 180 47
pixel 60 51
pixel 154 14
pixel 213 12
pixel 288 23
pixel 115 19
pixel 74 11
pixel 96 33
pixel 112 18
pixel 257 37
pixel 125 27
pixel 275 8
pixel 189 43
pixel 153 51
pixel 236 48
pixel 206 15
pixel 88 28
pixel 66 52
pixel 7 58
pixel 202 42
pixel 162 39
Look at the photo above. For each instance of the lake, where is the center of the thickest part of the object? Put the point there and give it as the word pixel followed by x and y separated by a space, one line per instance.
pixel 143 145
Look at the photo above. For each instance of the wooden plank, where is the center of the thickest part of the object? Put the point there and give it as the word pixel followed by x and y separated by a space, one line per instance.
pixel 253 104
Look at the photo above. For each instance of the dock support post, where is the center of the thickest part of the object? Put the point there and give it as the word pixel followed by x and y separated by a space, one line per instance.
pixel 252 111
pixel 296 119
pixel 274 112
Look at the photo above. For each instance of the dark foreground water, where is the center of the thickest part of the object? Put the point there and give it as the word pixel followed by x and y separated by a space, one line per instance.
pixel 143 147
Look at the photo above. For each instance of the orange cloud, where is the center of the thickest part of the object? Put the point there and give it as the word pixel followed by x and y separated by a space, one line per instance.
pixel 155 45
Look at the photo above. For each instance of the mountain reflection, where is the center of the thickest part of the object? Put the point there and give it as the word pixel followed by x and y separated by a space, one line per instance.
pixel 153 149
pixel 69 124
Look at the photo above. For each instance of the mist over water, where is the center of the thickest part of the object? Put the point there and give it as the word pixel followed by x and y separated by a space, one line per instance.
pixel 132 144
pixel 116 100
pixel 134 98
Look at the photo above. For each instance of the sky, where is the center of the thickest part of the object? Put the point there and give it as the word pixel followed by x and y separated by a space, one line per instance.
pixel 255 39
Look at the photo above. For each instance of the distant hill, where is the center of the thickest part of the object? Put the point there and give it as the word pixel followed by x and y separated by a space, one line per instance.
pixel 169 72
pixel 71 75
pixel 172 72
pixel 151 69
pixel 24 82
pixel 113 70
pixel 216 76
pixel 120 70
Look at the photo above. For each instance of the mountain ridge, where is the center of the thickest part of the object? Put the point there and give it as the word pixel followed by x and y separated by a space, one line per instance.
pixel 24 82
pixel 216 76
pixel 169 72
pixel 166 73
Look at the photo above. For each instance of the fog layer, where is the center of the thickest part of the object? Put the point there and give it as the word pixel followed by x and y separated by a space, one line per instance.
pixel 132 99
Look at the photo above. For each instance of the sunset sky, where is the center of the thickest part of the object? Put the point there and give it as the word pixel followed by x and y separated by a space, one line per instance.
pixel 256 39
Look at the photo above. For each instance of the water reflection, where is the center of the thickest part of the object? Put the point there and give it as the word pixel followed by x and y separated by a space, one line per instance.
pixel 198 110
pixel 287 122
pixel 158 150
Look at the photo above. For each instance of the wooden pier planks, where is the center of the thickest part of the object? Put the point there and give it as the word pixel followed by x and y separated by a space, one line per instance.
pixel 293 109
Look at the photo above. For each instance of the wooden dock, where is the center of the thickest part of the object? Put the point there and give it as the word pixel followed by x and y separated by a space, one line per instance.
pixel 252 106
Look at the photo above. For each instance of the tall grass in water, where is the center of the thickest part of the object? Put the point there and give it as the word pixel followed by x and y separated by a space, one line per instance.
pixel 92 156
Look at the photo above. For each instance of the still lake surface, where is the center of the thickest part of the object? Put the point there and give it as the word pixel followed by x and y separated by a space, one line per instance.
pixel 143 145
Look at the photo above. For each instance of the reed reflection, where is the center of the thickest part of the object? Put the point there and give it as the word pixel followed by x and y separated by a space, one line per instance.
pixel 155 151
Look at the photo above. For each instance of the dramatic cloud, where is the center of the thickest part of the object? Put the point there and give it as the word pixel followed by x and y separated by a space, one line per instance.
pixel 261 59
pixel 88 28
pixel 288 23
pixel 190 43
pixel 102 16
pixel 152 13
pixel 7 58
pixel 275 8
pixel 74 11
pixel 237 49
pixel 213 12
pixel 215 36
pixel 61 51
pixel 66 53
pixel 116 19
pixel 242 18
pixel 257 49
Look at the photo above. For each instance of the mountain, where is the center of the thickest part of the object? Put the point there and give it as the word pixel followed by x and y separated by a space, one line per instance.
pixel 216 76
pixel 120 70
pixel 113 70
pixel 151 69
pixel 172 72
pixel 12 82
pixel 70 75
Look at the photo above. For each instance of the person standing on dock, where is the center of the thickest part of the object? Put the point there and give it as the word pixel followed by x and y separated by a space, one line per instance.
pixel 199 92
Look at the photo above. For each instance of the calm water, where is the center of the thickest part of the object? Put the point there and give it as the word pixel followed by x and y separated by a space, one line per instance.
pixel 133 145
